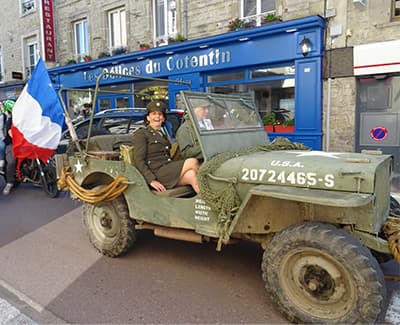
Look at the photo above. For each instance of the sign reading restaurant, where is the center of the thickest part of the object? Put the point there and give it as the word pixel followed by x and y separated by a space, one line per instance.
pixel 48 30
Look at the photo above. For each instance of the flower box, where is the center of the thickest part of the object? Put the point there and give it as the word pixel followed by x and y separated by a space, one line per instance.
pixel 284 128
pixel 269 128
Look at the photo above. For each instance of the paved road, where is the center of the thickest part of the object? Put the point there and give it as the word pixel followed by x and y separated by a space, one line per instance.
pixel 51 274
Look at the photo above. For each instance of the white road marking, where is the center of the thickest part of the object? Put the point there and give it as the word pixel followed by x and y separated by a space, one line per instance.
pixel 393 310
pixel 11 315
pixel 21 296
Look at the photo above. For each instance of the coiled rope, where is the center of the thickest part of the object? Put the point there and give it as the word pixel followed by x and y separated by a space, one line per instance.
pixel 391 228
pixel 107 193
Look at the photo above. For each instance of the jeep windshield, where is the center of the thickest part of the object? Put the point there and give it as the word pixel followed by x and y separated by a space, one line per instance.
pixel 224 122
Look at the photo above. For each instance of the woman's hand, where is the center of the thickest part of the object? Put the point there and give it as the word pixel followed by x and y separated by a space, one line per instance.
pixel 158 186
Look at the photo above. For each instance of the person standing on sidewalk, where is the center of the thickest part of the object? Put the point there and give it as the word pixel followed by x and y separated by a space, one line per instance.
pixel 9 155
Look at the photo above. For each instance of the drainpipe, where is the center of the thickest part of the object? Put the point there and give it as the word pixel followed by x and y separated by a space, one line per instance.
pixel 185 19
pixel 328 114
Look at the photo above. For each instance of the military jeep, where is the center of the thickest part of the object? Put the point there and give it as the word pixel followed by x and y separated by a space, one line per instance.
pixel 318 216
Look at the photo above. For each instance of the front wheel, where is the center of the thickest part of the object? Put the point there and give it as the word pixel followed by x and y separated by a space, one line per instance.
pixel 317 273
pixel 109 226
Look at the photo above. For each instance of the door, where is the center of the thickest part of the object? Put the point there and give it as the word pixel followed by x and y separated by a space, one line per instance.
pixel 378 115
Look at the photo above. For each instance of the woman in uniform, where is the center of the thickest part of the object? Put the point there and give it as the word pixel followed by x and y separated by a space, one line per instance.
pixel 152 154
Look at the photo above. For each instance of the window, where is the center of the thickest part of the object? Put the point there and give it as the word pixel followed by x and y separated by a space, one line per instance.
pixel 396 9
pixel 32 56
pixel 1 65
pixel 272 89
pixel 81 39
pixel 164 20
pixel 27 6
pixel 117 28
pixel 254 10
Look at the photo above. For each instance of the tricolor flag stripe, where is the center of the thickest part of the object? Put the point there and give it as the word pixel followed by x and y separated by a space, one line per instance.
pixel 31 121
pixel 37 117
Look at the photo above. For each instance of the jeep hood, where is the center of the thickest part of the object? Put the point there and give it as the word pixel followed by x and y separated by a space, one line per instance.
pixel 353 172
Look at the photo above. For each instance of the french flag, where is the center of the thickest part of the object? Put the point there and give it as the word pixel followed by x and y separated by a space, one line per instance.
pixel 37 118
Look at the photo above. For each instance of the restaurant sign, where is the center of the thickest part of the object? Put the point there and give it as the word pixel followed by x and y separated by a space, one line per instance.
pixel 48 30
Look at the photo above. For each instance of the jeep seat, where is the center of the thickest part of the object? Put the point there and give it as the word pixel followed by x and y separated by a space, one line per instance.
pixel 177 191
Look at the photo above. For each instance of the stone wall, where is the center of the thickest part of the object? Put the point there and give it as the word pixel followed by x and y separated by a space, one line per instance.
pixel 341 116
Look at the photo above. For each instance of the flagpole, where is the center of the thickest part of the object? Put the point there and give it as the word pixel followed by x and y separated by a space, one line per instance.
pixel 70 126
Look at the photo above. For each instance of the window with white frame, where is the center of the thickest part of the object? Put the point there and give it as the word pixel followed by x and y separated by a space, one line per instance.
pixel 27 6
pixel 81 39
pixel 117 28
pixel 1 65
pixel 164 20
pixel 32 56
pixel 255 10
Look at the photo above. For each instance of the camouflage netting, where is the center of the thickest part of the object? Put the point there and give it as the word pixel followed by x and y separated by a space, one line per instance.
pixel 227 201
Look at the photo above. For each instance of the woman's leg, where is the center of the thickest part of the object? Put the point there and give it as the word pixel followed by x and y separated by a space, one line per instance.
pixel 189 174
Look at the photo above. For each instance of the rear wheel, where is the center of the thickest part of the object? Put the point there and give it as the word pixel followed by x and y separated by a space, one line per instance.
pixel 319 274
pixel 109 226
pixel 49 178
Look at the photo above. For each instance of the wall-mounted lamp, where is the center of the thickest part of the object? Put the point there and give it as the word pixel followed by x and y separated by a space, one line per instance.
pixel 305 46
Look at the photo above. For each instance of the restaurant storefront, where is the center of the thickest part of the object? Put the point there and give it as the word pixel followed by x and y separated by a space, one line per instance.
pixel 279 65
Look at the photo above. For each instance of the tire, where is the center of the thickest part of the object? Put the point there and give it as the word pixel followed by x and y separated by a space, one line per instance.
pixel 317 273
pixel 109 226
pixel 49 179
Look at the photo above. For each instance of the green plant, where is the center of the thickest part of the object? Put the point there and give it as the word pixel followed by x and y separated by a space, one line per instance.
pixel 289 122
pixel 269 18
pixel 71 61
pixel 269 118
pixel 103 55
pixel 177 38
pixel 236 23
pixel 146 45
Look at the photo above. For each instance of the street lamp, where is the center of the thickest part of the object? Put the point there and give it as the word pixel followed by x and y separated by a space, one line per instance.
pixel 305 46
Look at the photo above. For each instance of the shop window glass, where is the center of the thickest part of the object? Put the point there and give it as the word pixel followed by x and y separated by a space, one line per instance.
pixel 396 9
pixel 148 91
pixel 117 28
pixel 75 100
pixel 122 102
pixel 271 72
pixel 164 20
pixel 27 6
pixel 254 10
pixel 81 39
pixel 226 77
pixel 272 98
pixel 378 94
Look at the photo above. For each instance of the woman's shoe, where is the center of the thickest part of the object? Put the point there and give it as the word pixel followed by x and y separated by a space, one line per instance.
pixel 7 188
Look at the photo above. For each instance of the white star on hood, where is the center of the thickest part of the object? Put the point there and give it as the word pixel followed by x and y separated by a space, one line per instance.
pixel 78 167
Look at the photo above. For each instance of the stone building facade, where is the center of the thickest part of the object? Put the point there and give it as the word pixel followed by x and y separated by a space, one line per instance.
pixel 349 23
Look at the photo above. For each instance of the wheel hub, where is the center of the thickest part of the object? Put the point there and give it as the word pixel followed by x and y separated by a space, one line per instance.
pixel 318 282
pixel 105 220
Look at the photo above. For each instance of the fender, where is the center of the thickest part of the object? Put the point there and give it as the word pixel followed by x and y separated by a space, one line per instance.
pixel 307 195
pixel 283 206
